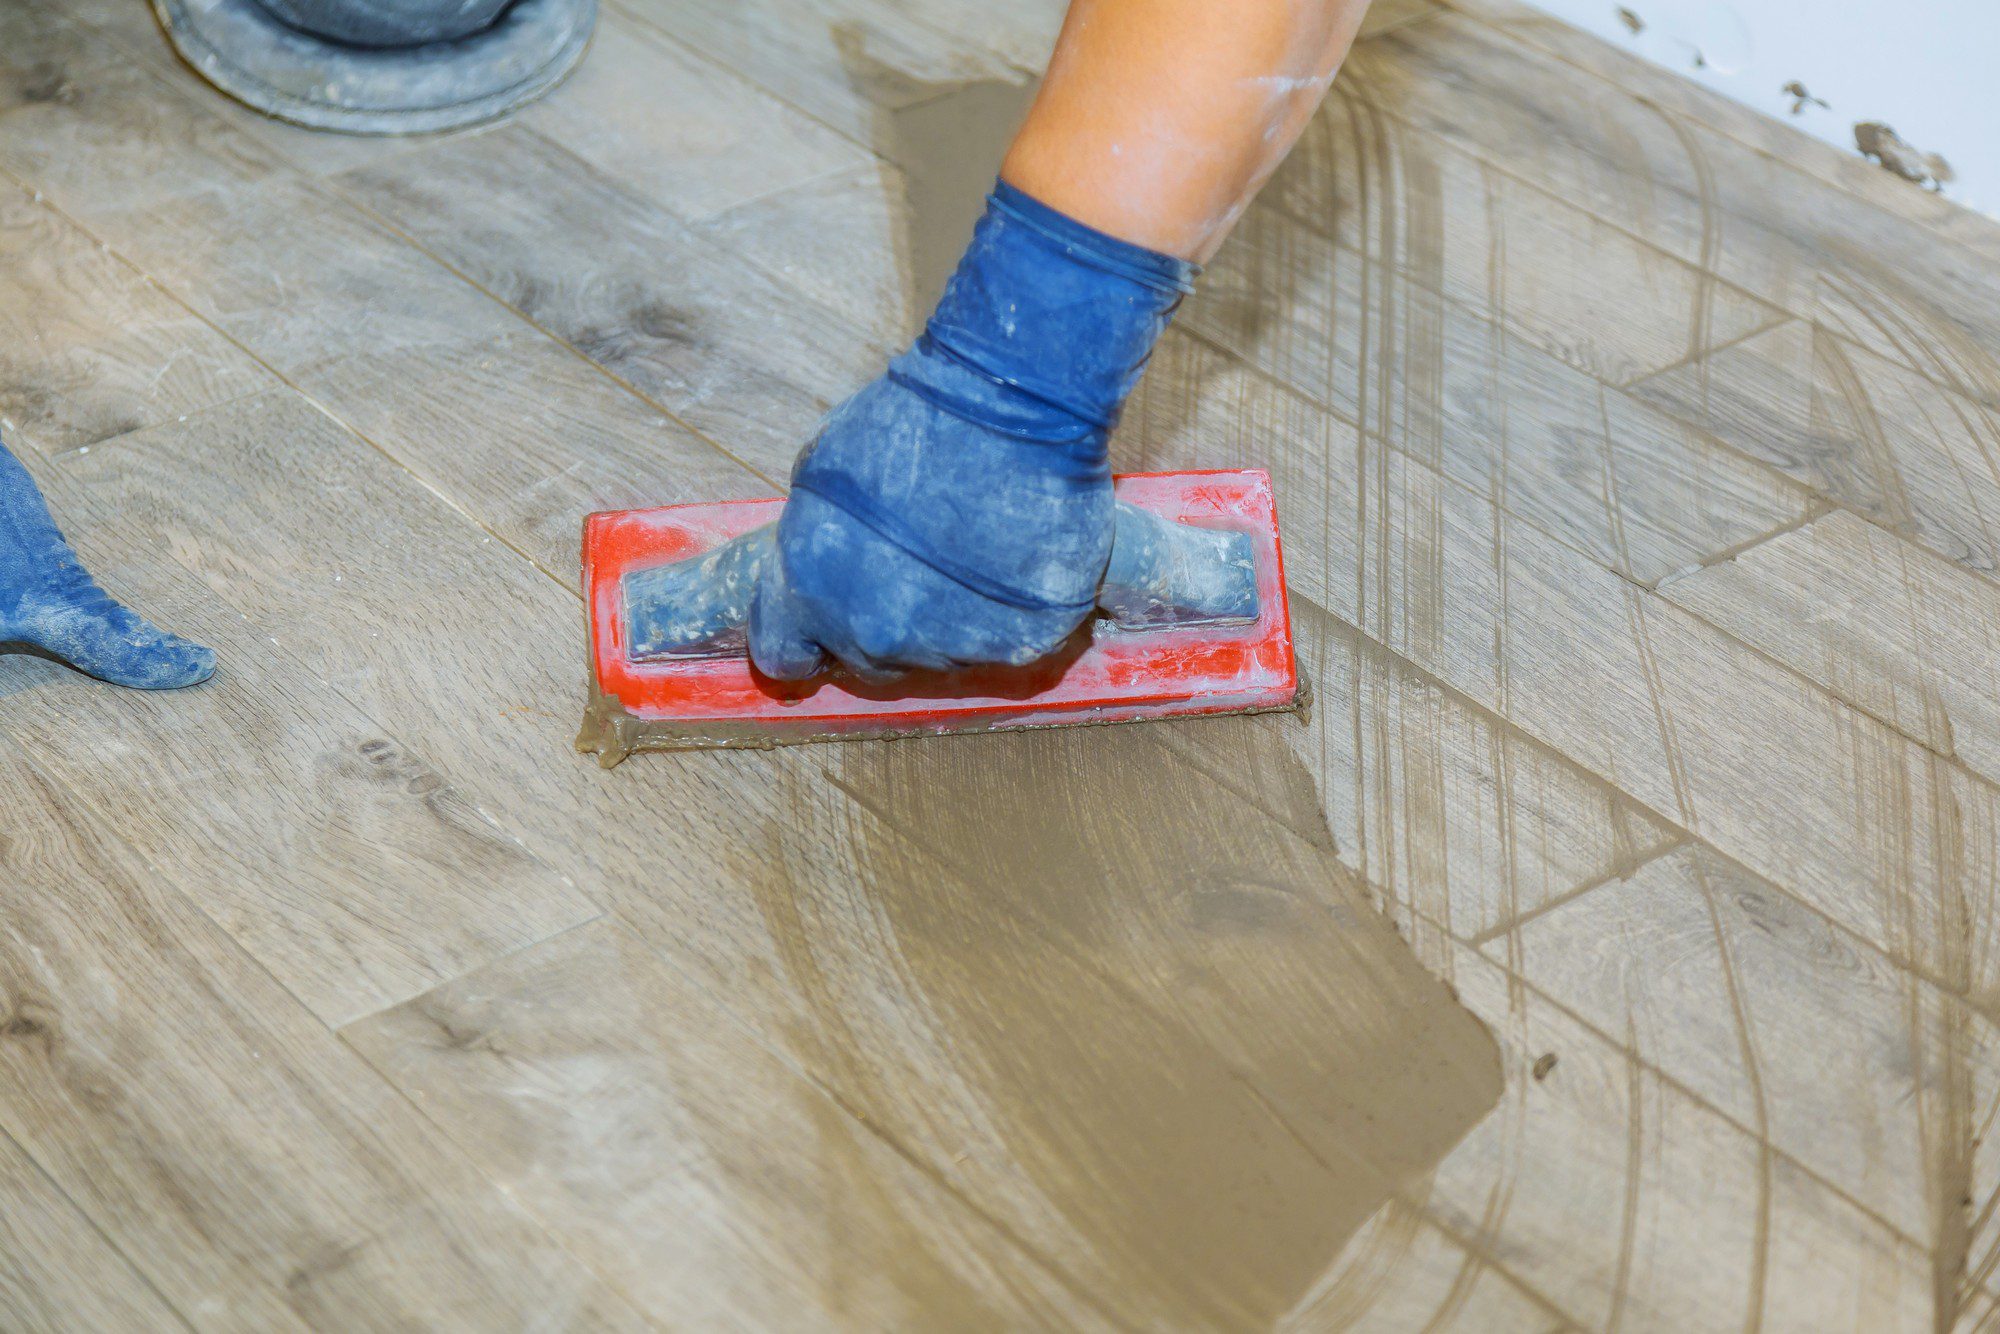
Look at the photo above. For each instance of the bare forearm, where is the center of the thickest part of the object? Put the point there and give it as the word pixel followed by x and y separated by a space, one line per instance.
pixel 1159 119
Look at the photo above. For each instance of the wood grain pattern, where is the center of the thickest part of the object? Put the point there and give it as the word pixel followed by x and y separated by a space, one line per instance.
pixel 581 1072
pixel 1887 838
pixel 1727 984
pixel 747 363
pixel 197 780
pixel 878 243
pixel 1857 428
pixel 89 348
pixel 131 27
pixel 846 64
pixel 1795 241
pixel 1637 491
pixel 258 1173
pixel 1022 34
pixel 1456 224
pixel 1895 631
pixel 524 435
pixel 301 280
pixel 57 1272
pixel 1653 707
pixel 43 55
pixel 123 139
pixel 841 241
pixel 680 131
pixel 1594 1180
pixel 1782 146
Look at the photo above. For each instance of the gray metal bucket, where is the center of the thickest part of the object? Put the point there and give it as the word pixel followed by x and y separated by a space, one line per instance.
pixel 248 51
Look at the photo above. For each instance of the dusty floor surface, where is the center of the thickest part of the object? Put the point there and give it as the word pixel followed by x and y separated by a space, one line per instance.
pixel 1638 469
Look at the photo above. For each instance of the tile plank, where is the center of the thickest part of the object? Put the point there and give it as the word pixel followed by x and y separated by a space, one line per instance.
pixel 1732 989
pixel 44 55
pixel 57 1272
pixel 259 1174
pixel 1895 631
pixel 719 1186
pixel 746 362
pixel 1814 248
pixel 1783 146
pixel 127 138
pixel 1625 1202
pixel 1404 1272
pixel 1857 428
pixel 847 64
pixel 526 437
pixel 89 349
pixel 841 241
pixel 427 884
pixel 1881 834
pixel 303 281
pixel 679 130
pixel 1451 221
pixel 1638 491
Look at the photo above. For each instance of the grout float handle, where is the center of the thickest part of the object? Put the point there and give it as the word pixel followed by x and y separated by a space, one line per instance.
pixel 1161 575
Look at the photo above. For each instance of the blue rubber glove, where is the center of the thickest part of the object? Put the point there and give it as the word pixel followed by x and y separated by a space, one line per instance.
pixel 48 601
pixel 958 511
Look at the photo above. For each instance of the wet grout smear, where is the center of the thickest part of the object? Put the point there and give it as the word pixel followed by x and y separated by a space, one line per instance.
pixel 1170 1016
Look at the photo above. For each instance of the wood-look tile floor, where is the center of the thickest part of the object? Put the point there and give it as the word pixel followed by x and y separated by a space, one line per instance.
pixel 1640 471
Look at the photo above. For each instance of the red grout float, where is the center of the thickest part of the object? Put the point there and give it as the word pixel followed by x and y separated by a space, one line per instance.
pixel 1192 620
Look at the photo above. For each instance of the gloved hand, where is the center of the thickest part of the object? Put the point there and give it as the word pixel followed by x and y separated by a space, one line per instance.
pixel 958 511
pixel 49 601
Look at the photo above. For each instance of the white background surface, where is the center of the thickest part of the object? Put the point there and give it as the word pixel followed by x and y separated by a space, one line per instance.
pixel 1930 68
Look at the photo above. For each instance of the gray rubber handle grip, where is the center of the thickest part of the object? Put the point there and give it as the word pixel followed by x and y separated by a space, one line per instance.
pixel 1161 575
